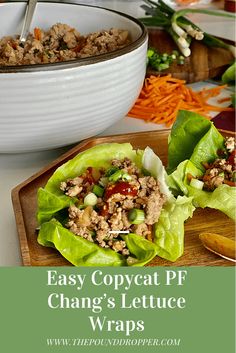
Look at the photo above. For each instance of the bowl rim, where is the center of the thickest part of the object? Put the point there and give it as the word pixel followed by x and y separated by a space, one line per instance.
pixel 81 61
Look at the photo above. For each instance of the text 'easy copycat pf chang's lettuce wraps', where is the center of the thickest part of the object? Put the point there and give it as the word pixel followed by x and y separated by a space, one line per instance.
pixel 201 163
pixel 111 206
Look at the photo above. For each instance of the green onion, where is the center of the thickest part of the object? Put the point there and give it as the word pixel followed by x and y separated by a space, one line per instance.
pixel 103 181
pixel 120 174
pixel 81 206
pixel 98 190
pixel 111 171
pixel 197 184
pixel 136 216
pixel 180 42
pixel 90 199
pixel 180 28
pixel 159 61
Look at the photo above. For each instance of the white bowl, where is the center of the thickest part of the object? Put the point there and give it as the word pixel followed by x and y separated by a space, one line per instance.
pixel 51 105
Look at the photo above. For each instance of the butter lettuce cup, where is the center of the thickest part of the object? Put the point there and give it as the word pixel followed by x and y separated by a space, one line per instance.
pixel 201 163
pixel 111 206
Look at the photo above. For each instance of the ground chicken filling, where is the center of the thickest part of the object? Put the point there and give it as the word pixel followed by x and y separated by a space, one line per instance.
pixel 222 170
pixel 110 202
pixel 60 43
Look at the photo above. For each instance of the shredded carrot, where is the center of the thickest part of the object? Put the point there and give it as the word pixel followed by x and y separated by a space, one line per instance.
pixel 37 33
pixel 222 100
pixel 162 97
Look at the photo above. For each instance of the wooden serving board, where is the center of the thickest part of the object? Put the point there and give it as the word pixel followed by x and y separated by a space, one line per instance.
pixel 203 63
pixel 24 198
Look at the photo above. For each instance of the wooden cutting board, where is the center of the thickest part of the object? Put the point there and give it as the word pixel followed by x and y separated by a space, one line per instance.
pixel 203 63
pixel 24 198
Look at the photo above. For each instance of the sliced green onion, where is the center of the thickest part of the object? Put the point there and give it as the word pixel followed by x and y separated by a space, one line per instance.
pixel 80 207
pixel 222 174
pixel 90 199
pixel 111 171
pixel 197 184
pixel 136 216
pixel 103 181
pixel 120 174
pixel 159 61
pixel 126 177
pixel 98 190
pixel 116 176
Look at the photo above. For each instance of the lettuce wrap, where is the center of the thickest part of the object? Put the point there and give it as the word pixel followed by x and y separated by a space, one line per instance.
pixel 53 205
pixel 194 141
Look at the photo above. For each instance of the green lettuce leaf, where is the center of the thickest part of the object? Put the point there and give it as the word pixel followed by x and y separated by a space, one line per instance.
pixel 79 251
pixel 169 231
pixel 152 163
pixel 178 182
pixel 51 199
pixel 195 138
pixel 222 198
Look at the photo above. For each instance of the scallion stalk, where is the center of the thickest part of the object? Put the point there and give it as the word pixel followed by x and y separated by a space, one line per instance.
pixel 98 190
pixel 136 216
pixel 178 30
pixel 111 171
pixel 182 44
pixel 164 16
pixel 120 174
pixel 90 199
pixel 103 181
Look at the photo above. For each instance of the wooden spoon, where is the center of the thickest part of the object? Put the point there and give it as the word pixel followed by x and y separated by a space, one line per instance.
pixel 220 245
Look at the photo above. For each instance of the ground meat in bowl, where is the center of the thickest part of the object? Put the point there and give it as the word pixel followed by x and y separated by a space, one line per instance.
pixel 60 43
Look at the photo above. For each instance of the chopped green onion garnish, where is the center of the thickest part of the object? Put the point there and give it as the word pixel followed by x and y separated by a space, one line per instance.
pixel 197 184
pixel 136 216
pixel 103 181
pixel 111 171
pixel 98 190
pixel 81 207
pixel 159 61
pixel 120 174
pixel 90 199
